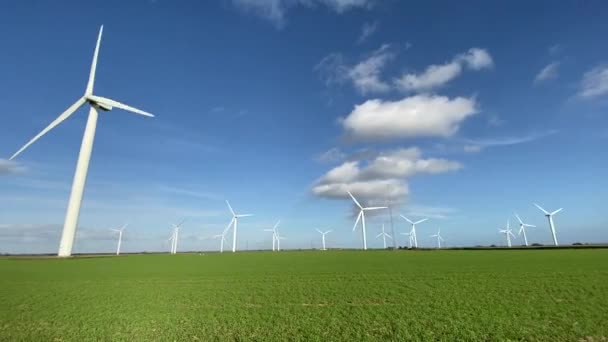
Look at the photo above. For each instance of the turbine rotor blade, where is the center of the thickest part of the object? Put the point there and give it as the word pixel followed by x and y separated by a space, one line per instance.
pixel 357 221
pixel 320 232
pixel 355 200
pixel 519 219
pixel 543 210
pixel 277 224
pixel 243 215
pixel 113 103
pixel 66 114
pixel 374 208
pixel 230 207
pixel 405 218
pixel 557 211
pixel 89 89
pixel 420 221
pixel 379 235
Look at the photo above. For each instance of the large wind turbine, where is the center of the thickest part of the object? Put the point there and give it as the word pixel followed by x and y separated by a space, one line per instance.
pixel 550 218
pixel 508 233
pixel 80 176
pixel 439 238
pixel 274 234
pixel 522 228
pixel 234 223
pixel 323 237
pixel 361 217
pixel 384 236
pixel 413 231
pixel 119 231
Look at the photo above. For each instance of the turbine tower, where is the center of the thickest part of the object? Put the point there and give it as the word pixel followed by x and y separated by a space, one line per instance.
pixel 384 236
pixel 235 222
pixel 222 238
pixel 80 176
pixel 361 217
pixel 439 238
pixel 175 236
pixel 522 228
pixel 508 233
pixel 119 231
pixel 278 237
pixel 274 234
pixel 550 218
pixel 410 238
pixel 323 237
pixel 413 231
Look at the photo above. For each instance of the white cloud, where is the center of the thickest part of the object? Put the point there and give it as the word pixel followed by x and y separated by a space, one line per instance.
pixel 365 75
pixel 476 145
pixel 438 75
pixel 367 31
pixel 276 10
pixel 472 148
pixel 549 72
pixel 334 154
pixel 383 177
pixel 594 83
pixel 9 167
pixel 415 116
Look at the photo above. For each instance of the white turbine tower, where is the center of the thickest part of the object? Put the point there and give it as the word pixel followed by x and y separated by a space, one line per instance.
pixel 508 233
pixel 274 234
pixel 439 238
pixel 96 103
pixel 550 218
pixel 323 237
pixel 384 236
pixel 279 238
pixel 175 236
pixel 413 235
pixel 522 228
pixel 410 238
pixel 235 222
pixel 361 217
pixel 119 231
pixel 222 238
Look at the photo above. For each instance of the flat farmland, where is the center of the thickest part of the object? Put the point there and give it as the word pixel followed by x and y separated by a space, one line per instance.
pixel 496 295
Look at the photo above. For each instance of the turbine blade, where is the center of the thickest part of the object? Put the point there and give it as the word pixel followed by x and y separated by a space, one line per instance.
pixel 379 235
pixel 374 208
pixel 230 207
pixel 354 199
pixel 329 231
pixel 519 219
pixel 124 226
pixel 543 210
pixel 557 211
pixel 113 103
pixel 357 222
pixel 529 225
pixel 420 221
pixel 388 236
pixel 320 232
pixel 66 114
pixel 408 220
pixel 244 215
pixel 89 89
pixel 277 224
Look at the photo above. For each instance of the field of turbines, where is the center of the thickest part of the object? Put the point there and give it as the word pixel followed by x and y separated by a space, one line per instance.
pixel 550 295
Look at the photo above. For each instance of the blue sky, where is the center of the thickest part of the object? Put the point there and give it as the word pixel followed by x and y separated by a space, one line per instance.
pixel 464 114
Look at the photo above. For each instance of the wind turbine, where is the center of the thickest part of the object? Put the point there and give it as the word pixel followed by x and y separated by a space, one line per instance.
pixel 550 218
pixel 410 238
pixel 278 237
pixel 234 223
pixel 508 233
pixel 96 103
pixel 119 231
pixel 522 228
pixel 439 238
pixel 323 236
pixel 413 231
pixel 384 236
pixel 361 217
pixel 274 234
pixel 175 236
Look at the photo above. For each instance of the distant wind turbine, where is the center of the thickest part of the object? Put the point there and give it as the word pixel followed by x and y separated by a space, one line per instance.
pixel 508 233
pixel 279 238
pixel 413 235
pixel 96 103
pixel 384 236
pixel 522 228
pixel 439 238
pixel 235 223
pixel 175 237
pixel 410 238
pixel 120 231
pixel 323 237
pixel 361 217
pixel 274 234
pixel 550 218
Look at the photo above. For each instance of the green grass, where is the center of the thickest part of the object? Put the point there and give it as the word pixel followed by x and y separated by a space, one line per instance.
pixel 549 295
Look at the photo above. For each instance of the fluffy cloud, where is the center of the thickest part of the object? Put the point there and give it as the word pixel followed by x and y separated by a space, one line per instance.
pixel 415 116
pixel 275 10
pixel 438 75
pixel 594 83
pixel 382 177
pixel 365 75
pixel 8 167
pixel 367 30
pixel 547 73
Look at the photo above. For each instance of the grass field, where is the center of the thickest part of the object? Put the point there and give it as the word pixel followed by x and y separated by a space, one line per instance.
pixel 549 295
